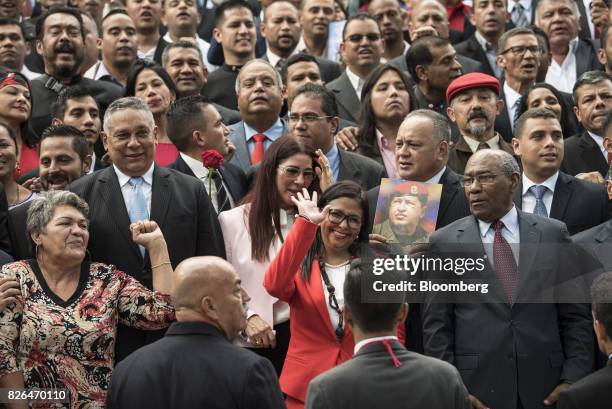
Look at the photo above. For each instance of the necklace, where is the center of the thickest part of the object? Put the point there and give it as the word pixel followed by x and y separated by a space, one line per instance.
pixel 332 300
pixel 16 201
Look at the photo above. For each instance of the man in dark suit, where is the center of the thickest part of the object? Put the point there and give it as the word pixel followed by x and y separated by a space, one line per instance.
pixel 543 189
pixel 195 126
pixel 210 311
pixel 585 152
pixel 314 117
pixel 61 72
pixel 133 189
pixel 594 392
pixel 383 374
pixel 473 104
pixel 281 29
pixel 361 49
pixel 259 90
pixel 490 19
pixel 534 347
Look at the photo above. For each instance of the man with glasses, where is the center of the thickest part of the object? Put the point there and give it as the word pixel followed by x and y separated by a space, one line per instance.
pixel 532 350
pixel 361 50
pixel 313 116
pixel 519 52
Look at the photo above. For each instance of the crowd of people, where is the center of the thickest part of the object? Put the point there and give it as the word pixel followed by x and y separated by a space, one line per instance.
pixel 188 191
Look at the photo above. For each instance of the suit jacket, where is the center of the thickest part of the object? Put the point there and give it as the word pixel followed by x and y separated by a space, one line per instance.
pixel 242 157
pixel 582 154
pixel 180 206
pixel 577 203
pixel 503 122
pixel 592 392
pixel 21 248
pixel 233 177
pixel 234 377
pixel 346 97
pixel 330 70
pixel 597 241
pixel 365 171
pixel 471 48
pixel 586 56
pixel 530 348
pixel 461 152
pixel 420 382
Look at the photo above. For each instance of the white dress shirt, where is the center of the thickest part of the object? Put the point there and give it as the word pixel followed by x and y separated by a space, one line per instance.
pixel 30 75
pixel 599 141
pixel 273 58
pixel 367 341
pixel 203 45
pixel 511 97
pixel 510 232
pixel 149 55
pixel 202 173
pixel 527 5
pixel 563 76
pixel 529 199
pixel 126 189
pixel 473 143
pixel 356 82
pixel 436 178
pixel 93 163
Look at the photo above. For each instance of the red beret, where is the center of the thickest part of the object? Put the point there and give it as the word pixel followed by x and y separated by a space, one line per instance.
pixel 410 189
pixel 471 81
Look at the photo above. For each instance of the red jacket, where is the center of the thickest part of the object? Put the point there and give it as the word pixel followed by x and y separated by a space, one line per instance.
pixel 313 348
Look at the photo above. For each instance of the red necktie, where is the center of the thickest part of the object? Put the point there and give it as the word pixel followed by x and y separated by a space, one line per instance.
pixel 504 262
pixel 258 152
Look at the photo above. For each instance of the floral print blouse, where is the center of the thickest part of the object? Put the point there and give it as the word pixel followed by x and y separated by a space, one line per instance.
pixel 70 344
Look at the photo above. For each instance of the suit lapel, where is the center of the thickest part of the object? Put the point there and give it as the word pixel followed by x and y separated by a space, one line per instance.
pixel 561 197
pixel 161 195
pixel 530 242
pixel 113 199
pixel 346 96
pixel 230 182
pixel 243 158
pixel 347 169
pixel 517 197
pixel 583 56
pixel 503 123
pixel 590 153
pixel 449 191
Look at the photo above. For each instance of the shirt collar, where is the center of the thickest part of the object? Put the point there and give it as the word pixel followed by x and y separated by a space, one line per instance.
pixel 511 95
pixel 573 44
pixel 354 79
pixel 273 133
pixel 473 143
pixel 102 71
pixel 598 140
pixel 367 341
pixel 196 166
pixel 123 178
pixel 436 178
pixel 550 183
pixel 486 46
pixel 273 58
pixel 333 155
pixel 510 221
pixel 525 3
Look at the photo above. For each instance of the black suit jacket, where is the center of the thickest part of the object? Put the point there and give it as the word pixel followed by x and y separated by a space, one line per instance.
pixel 582 154
pixel 233 177
pixel 529 348
pixel 471 48
pixel 586 56
pixel 194 366
pixel 360 169
pixel 579 204
pixel 179 205
pixel 346 97
pixel 503 122
pixel 420 382
pixel 597 241
pixel 592 392
pixel 461 152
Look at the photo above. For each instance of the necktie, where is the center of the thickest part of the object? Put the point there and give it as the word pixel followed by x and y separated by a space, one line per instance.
pixel 258 152
pixel 138 204
pixel 483 145
pixel 503 260
pixel 517 110
pixel 280 63
pixel 538 191
pixel 518 15
pixel 223 202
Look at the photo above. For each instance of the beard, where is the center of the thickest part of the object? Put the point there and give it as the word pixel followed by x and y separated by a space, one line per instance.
pixel 478 132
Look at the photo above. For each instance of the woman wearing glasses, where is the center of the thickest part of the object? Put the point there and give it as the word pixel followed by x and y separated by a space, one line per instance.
pixel 308 273
pixel 254 232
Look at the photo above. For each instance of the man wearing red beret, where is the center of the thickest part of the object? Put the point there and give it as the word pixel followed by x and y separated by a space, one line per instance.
pixel 473 104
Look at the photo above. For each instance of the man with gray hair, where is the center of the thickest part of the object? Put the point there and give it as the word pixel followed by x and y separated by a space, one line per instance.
pixel 133 189
pixel 533 350
pixel 259 88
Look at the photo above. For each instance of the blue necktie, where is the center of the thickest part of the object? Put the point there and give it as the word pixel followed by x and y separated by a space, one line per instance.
pixel 540 208
pixel 138 204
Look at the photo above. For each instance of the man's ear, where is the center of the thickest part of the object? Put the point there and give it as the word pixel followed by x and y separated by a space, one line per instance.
pixel 39 47
pixel 28 48
pixel 421 72
pixel 217 35
pixel 516 147
pixel 99 44
pixel 56 121
pixel 86 164
pixel 209 308
pixel 104 137
pixel 199 139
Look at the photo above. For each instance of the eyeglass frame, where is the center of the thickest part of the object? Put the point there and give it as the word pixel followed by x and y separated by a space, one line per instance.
pixel 301 172
pixel 344 217
pixel 468 181
pixel 369 37
pixel 310 120
pixel 538 50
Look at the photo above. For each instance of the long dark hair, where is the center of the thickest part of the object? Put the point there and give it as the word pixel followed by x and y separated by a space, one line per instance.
pixel 367 120
pixel 351 190
pixel 569 123
pixel 264 198
pixel 144 64
pixel 28 136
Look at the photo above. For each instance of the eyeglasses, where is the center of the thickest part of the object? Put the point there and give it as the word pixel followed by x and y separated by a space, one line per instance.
pixel 336 216
pixel 357 38
pixel 521 50
pixel 484 179
pixel 308 118
pixel 293 173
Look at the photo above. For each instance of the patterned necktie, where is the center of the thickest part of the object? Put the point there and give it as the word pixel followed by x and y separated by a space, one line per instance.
pixel 483 145
pixel 258 152
pixel 538 191
pixel 280 63
pixel 517 110
pixel 518 15
pixel 223 202
pixel 504 262
pixel 138 204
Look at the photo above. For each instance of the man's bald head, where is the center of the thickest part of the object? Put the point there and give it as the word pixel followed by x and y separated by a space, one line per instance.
pixel 208 289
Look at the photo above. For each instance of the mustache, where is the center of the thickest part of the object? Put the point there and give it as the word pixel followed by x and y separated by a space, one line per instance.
pixel 57 177
pixel 477 114
pixel 64 48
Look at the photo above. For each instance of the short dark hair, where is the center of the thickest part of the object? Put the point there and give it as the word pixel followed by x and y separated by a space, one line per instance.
pixel 294 59
pixel 6 21
pixel 601 297
pixel 517 31
pixel 230 5
pixel 540 33
pixel 315 91
pixel 79 141
pixel 589 78
pixel 360 17
pixel 58 108
pixel 419 53
pixel 536 113
pixel 180 44
pixel 183 116
pixel 370 316
pixel 40 23
pixel 109 14
pixel 144 64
